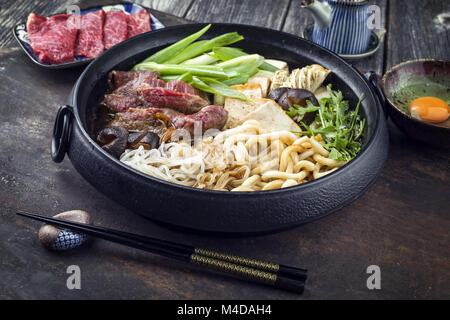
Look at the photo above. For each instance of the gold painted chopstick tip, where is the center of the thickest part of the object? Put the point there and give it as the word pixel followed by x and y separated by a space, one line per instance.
pixel 235 269
pixel 253 263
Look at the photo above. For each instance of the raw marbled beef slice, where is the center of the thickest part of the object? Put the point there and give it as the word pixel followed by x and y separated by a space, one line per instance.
pixel 90 37
pixel 52 39
pixel 115 28
pixel 138 23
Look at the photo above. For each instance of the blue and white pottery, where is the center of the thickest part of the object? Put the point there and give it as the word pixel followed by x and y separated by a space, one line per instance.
pixel 68 240
pixel 340 25
pixel 63 239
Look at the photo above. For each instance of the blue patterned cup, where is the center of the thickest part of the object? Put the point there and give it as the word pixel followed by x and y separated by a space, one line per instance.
pixel 340 26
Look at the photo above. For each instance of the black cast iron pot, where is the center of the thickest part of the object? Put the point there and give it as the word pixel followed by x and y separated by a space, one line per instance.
pixel 218 211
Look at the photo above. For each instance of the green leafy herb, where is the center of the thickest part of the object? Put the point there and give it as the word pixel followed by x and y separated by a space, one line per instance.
pixel 334 154
pixel 340 127
pixel 300 111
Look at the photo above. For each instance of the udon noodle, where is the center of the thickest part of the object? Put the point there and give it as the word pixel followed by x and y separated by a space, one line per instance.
pixel 245 158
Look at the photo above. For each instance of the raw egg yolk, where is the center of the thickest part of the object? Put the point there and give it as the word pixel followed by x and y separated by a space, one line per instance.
pixel 429 109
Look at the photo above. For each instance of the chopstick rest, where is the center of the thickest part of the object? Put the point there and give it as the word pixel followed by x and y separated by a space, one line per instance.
pixel 58 239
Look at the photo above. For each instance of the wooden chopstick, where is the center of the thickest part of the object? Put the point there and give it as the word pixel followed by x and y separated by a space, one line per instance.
pixel 280 276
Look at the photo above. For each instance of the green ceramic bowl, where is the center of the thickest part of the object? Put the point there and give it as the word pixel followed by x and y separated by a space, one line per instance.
pixel 413 79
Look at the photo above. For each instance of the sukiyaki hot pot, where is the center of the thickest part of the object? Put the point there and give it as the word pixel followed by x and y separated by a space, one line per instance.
pixel 244 201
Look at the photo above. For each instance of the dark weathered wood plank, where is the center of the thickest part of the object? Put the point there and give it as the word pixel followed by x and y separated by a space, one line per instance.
pixel 14 12
pixel 400 224
pixel 269 14
pixel 416 32
pixel 175 7
pixel 297 19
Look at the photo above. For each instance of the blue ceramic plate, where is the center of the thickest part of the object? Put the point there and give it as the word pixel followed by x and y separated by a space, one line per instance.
pixel 21 35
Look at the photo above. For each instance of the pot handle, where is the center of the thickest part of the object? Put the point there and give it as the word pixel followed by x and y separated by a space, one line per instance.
pixel 372 78
pixel 61 130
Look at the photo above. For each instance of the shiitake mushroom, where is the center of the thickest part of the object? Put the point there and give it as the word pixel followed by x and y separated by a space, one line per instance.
pixel 148 140
pixel 287 97
pixel 113 140
pixel 277 93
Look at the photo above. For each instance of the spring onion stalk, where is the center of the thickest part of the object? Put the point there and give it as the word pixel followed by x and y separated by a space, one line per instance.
pixel 202 66
pixel 241 78
pixel 252 58
pixel 193 47
pixel 264 73
pixel 171 77
pixel 245 71
pixel 228 53
pixel 194 50
pixel 204 59
pixel 171 69
pixel 167 53
pixel 246 68
pixel 213 86
pixel 221 90
pixel 199 84
pixel 268 67
pixel 186 77
pixel 219 100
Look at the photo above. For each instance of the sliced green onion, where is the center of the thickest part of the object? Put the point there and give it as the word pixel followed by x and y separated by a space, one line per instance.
pixel 222 89
pixel 193 47
pixel 204 59
pixel 245 71
pixel 169 78
pixel 246 68
pixel 264 73
pixel 186 77
pixel 216 87
pixel 268 67
pixel 199 84
pixel 167 53
pixel 195 50
pixel 228 53
pixel 200 66
pixel 241 79
pixel 252 58
pixel 171 69
pixel 219 100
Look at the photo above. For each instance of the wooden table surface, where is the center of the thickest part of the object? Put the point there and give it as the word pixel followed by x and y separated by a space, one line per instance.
pixel 401 223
